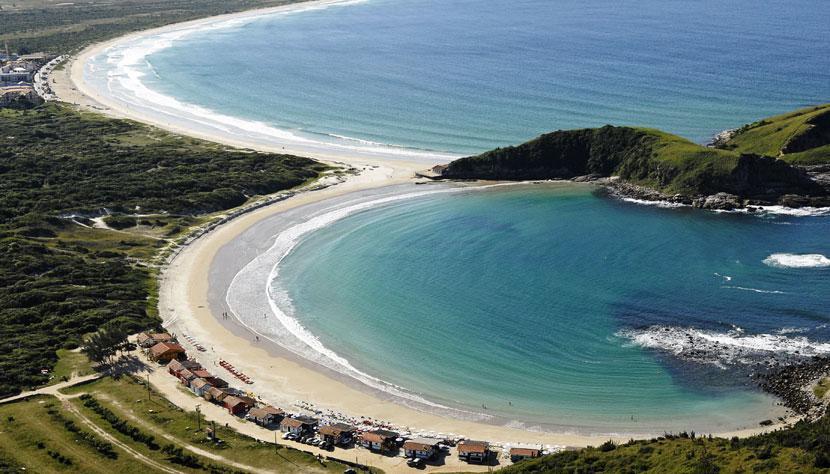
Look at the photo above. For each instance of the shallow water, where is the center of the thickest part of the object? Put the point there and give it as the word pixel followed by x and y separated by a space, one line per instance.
pixel 557 308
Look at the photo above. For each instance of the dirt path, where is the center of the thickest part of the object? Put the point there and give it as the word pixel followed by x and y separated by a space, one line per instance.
pixel 196 450
pixel 53 389
pixel 111 439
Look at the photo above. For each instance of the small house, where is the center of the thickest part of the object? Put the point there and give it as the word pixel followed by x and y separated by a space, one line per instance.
pixel 266 415
pixel 420 448
pixel 299 425
pixel 519 453
pixel 215 395
pixel 148 340
pixel 166 351
pixel 174 367
pixel 144 340
pixel 248 401
pixel 234 405
pixel 217 382
pixel 339 434
pixel 379 440
pixel 199 386
pixel 186 376
pixel 473 451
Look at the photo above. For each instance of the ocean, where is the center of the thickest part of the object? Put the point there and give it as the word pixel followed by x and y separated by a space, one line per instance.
pixel 547 307
pixel 559 309
pixel 465 76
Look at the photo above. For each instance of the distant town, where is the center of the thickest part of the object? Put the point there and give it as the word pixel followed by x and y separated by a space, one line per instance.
pixel 24 78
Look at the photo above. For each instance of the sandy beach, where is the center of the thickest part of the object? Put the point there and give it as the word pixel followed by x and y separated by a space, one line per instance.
pixel 186 292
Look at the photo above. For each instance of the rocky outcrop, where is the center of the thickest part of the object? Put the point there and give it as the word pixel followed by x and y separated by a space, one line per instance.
pixel 650 165
pixel 719 201
pixel 793 385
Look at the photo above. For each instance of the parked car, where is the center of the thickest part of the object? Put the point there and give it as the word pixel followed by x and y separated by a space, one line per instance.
pixel 415 462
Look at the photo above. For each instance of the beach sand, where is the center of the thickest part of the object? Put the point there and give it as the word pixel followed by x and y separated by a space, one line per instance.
pixel 185 289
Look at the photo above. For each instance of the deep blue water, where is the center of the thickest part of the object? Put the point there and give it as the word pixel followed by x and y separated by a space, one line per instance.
pixel 520 300
pixel 468 75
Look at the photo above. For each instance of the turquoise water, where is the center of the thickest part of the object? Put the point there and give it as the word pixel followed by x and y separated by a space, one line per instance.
pixel 530 301
pixel 468 75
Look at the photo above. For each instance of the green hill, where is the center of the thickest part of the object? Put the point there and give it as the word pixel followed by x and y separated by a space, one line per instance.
pixel 800 137
pixel 802 448
pixel 656 160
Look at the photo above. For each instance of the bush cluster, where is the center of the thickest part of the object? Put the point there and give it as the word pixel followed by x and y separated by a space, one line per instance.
pixel 118 424
pixel 103 447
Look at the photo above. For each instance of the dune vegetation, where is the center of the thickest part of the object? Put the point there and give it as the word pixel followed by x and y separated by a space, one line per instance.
pixel 804 448
pixel 64 27
pixel 63 176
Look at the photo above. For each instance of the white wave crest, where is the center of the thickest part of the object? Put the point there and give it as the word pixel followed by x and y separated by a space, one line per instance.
pixel 722 348
pixel 792 260
pixel 756 290
pixel 662 204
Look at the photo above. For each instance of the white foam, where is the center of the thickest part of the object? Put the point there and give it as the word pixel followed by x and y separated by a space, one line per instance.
pixel 721 348
pixel 756 290
pixel 763 211
pixel 663 204
pixel 792 260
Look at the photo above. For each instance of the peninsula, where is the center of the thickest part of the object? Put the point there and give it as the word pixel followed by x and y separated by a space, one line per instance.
pixel 782 160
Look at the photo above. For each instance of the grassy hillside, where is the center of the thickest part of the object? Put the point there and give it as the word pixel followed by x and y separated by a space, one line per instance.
pixel 62 27
pixel 804 448
pixel 801 137
pixel 746 165
pixel 61 278
pixel 658 160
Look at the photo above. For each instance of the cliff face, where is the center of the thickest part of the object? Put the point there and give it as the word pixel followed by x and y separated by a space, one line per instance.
pixel 651 160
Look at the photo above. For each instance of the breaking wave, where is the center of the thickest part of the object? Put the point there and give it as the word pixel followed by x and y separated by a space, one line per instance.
pixel 792 260
pixel 724 348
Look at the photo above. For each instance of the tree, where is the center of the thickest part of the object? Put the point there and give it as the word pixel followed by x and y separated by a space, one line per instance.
pixel 104 344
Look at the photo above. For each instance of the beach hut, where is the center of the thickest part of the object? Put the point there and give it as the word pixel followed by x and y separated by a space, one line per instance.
pixel 164 352
pixel 174 367
pixel 199 386
pixel 201 373
pixel 234 405
pixel 186 376
pixel 299 425
pixel 266 415
pixel 148 340
pixel 338 433
pixel 215 395
pixel 217 382
pixel 420 448
pixel 474 451
pixel 144 340
pixel 519 453
pixel 379 440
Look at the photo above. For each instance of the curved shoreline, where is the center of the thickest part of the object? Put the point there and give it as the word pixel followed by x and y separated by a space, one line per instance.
pixel 184 286
pixel 71 85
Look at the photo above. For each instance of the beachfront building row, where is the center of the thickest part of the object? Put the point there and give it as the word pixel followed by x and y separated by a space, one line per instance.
pixel 202 383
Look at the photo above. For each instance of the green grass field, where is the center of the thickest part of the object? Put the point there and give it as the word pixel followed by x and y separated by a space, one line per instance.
pixel 127 397
pixel 28 434
pixel 772 135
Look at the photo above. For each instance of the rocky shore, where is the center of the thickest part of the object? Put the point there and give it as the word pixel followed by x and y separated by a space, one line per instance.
pixel 793 384
pixel 718 201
